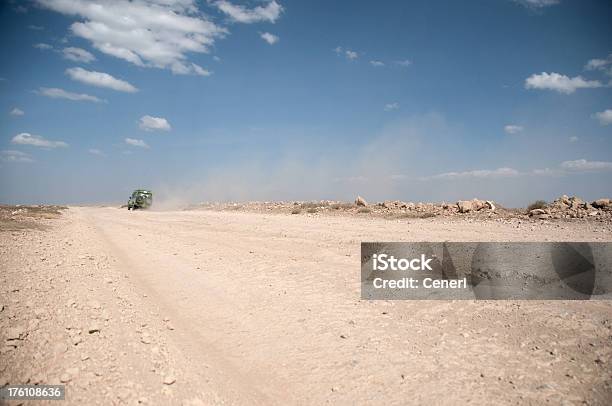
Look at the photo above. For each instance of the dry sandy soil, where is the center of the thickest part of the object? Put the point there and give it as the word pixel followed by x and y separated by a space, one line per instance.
pixel 210 307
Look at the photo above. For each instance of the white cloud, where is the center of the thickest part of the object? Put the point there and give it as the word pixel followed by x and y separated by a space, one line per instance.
pixel 582 165
pixel 602 65
pixel 149 123
pixel 269 13
pixel 269 38
pixel 36 27
pixel 604 117
pixel 573 138
pixel 43 46
pixel 56 93
pixel 513 129
pixel 95 151
pixel 348 54
pixel 392 106
pixel 15 156
pixel 136 143
pixel 404 63
pixel 78 55
pixel 480 173
pixel 100 79
pixel 158 33
pixel 559 83
pixel 36 141
pixel 17 112
pixel 351 54
pixel 599 64
pixel 548 172
pixel 377 63
pixel 537 3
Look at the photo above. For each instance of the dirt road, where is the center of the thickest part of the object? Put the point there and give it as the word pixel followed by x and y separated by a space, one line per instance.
pixel 204 307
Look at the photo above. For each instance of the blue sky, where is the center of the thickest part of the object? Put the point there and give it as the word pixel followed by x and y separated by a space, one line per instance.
pixel 278 100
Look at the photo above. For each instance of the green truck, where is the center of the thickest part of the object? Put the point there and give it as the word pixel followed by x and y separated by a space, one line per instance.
pixel 140 199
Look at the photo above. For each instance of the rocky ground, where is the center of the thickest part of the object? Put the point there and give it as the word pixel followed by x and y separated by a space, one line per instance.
pixel 261 306
pixel 562 208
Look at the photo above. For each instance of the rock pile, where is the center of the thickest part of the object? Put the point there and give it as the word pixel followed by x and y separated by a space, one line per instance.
pixel 573 207
pixel 562 208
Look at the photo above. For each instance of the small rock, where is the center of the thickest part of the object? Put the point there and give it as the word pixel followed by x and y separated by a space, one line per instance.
pixel 15 333
pixel 169 380
pixel 94 328
pixel 60 348
pixel 94 304
pixel 65 378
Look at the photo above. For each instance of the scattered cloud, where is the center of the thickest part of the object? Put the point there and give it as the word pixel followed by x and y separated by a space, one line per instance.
pixel 100 79
pixel 36 27
pixel 42 46
pixel 480 173
pixel 268 13
pixel 573 139
pixel 537 4
pixel 351 54
pixel 56 93
pixel 15 156
pixel 392 106
pixel 150 123
pixel 560 83
pixel 348 54
pixel 548 172
pixel 136 143
pixel 604 117
pixel 513 129
pixel 95 151
pixel 377 63
pixel 78 55
pixel 17 112
pixel 216 58
pixel 157 34
pixel 582 165
pixel 269 38
pixel 36 141
pixel 404 63
pixel 601 65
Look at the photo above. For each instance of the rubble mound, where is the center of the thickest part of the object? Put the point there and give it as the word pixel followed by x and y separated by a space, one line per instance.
pixel 562 208
pixel 573 207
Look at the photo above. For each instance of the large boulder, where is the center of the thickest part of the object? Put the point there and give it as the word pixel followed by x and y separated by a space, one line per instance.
pixel 602 203
pixel 466 206
pixel 537 212
pixel 360 201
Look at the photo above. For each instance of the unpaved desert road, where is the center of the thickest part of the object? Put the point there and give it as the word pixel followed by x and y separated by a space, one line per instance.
pixel 205 307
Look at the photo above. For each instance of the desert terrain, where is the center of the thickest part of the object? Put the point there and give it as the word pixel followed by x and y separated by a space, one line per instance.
pixel 251 304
